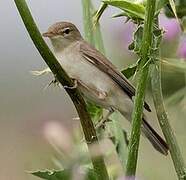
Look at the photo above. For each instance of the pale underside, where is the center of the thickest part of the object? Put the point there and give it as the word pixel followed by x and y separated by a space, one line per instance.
pixel 100 82
pixel 95 85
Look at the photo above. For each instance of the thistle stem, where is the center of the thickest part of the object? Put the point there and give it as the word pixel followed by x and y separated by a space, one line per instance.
pixel 140 91
pixel 63 78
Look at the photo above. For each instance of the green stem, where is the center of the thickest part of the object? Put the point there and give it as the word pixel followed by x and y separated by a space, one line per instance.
pixel 120 143
pixel 60 74
pixel 164 122
pixel 98 43
pixel 141 86
pixel 92 32
pixel 88 22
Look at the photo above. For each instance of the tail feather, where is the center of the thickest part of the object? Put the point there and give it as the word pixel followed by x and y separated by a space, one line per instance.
pixel 156 140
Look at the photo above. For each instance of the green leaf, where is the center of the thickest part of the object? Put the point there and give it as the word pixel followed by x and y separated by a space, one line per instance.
pixel 99 13
pixel 66 174
pixel 156 42
pixel 120 15
pixel 137 40
pixel 129 17
pixel 95 111
pixel 129 71
pixel 173 7
pixel 134 10
pixel 54 175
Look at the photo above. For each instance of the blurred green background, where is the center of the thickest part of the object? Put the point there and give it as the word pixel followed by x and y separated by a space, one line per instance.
pixel 32 116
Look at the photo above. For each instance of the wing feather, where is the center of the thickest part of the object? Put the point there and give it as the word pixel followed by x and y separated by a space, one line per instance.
pixel 101 62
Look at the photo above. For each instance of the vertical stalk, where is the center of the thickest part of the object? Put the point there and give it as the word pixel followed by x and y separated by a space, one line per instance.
pixel 60 74
pixel 94 37
pixel 120 141
pixel 163 119
pixel 140 91
pixel 92 32
pixel 87 20
pixel 97 39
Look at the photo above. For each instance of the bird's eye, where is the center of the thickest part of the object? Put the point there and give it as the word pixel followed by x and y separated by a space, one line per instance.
pixel 66 31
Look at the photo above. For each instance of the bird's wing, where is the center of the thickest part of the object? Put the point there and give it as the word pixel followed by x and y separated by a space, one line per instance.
pixel 102 63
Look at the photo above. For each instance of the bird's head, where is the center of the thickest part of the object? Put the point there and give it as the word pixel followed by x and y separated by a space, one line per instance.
pixel 62 34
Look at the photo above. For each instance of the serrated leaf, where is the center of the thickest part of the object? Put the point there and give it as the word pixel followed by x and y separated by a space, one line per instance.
pixel 129 17
pixel 129 71
pixel 137 40
pixel 66 174
pixel 157 39
pixel 134 10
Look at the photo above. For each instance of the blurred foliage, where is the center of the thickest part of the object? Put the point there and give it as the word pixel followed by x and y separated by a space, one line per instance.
pixel 180 9
pixel 95 111
pixel 93 36
pixel 65 174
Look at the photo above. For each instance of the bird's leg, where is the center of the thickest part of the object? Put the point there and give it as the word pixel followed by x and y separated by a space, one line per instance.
pixel 74 86
pixel 103 120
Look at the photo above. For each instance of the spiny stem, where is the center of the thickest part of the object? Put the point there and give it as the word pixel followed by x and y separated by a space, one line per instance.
pixel 140 91
pixel 60 74
pixel 163 119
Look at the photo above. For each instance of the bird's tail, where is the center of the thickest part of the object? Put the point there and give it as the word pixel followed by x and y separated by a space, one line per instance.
pixel 155 139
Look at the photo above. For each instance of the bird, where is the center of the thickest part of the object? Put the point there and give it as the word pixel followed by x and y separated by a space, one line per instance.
pixel 97 78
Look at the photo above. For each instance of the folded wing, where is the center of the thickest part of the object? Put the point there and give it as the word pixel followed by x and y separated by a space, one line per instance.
pixel 100 61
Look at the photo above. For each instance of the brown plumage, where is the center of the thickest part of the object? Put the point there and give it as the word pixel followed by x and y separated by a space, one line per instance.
pixel 98 79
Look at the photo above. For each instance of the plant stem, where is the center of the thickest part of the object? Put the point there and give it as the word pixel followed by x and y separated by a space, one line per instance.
pixel 88 22
pixel 62 77
pixel 141 86
pixel 164 122
pixel 92 32
pixel 120 143
pixel 98 43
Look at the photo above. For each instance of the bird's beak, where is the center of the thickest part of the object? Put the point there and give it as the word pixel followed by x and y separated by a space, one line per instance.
pixel 48 34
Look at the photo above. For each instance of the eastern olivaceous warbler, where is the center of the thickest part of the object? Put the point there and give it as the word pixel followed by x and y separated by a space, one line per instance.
pixel 96 77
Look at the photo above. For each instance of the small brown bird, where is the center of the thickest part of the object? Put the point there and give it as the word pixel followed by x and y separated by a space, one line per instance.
pixel 96 77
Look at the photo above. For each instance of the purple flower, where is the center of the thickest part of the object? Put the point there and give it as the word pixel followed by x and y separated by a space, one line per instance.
pixel 171 27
